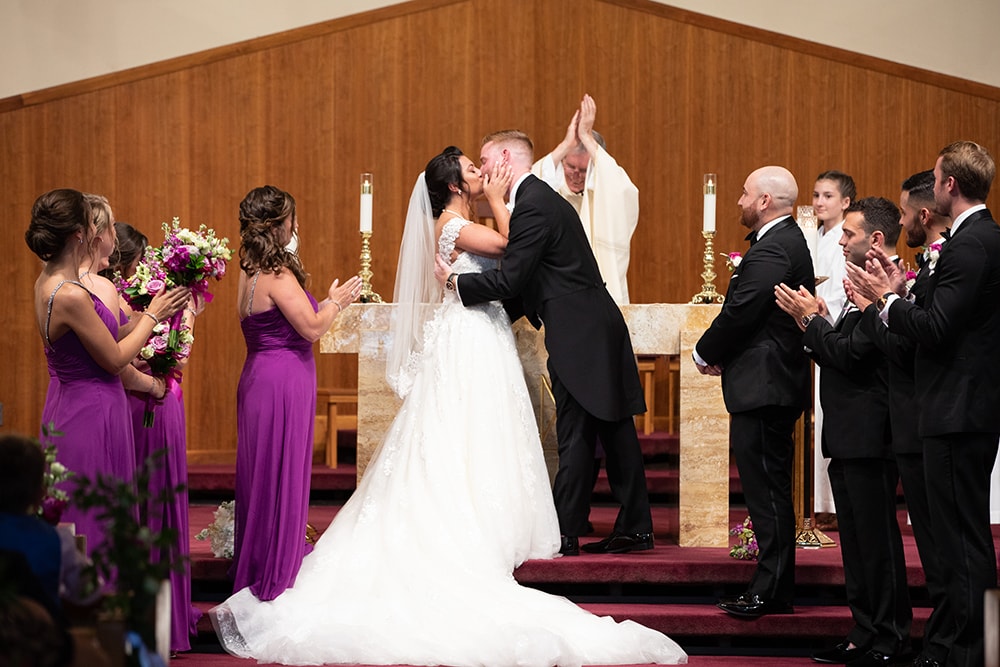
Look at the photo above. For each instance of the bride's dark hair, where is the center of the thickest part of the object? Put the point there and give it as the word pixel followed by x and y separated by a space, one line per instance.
pixel 443 170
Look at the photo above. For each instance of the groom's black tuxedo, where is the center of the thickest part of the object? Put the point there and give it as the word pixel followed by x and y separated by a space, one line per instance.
pixel 548 273
pixel 765 383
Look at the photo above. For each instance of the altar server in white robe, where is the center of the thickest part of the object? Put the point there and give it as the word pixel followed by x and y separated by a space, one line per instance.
pixel 582 171
pixel 832 194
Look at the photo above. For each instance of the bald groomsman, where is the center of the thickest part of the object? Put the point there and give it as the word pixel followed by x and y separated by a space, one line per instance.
pixel 757 350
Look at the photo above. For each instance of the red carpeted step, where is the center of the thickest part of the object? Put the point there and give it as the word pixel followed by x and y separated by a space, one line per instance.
pixel 694 620
pixel 222 477
pixel 667 564
pixel 663 479
pixel 705 620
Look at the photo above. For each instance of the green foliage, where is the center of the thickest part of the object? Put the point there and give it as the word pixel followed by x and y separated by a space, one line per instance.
pixel 133 559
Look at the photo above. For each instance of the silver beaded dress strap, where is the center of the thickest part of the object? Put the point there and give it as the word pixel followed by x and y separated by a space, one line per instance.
pixel 48 313
pixel 253 287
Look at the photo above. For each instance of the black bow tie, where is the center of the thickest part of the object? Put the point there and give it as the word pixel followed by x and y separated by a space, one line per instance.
pixel 946 234
pixel 752 237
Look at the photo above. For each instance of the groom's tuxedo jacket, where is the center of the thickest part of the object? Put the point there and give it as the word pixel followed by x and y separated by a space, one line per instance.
pixel 548 274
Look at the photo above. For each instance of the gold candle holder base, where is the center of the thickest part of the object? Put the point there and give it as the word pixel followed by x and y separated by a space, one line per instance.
pixel 812 538
pixel 368 295
pixel 708 293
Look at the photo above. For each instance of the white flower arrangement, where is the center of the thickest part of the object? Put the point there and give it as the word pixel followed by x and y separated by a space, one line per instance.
pixel 221 530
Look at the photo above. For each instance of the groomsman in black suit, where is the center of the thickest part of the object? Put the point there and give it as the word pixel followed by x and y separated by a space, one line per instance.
pixel 957 366
pixel 549 274
pixel 857 440
pixel 922 227
pixel 758 352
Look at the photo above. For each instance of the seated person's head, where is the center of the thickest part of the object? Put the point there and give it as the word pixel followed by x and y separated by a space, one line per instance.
pixel 22 469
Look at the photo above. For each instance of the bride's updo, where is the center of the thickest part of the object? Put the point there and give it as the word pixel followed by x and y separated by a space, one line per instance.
pixel 55 217
pixel 262 212
pixel 444 170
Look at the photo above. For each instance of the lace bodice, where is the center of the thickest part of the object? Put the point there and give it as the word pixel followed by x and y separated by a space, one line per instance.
pixel 466 262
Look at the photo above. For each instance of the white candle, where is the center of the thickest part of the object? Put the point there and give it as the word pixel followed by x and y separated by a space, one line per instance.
pixel 708 215
pixel 366 203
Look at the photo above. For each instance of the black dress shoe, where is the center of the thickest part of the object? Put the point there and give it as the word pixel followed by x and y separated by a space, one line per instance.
pixel 873 658
pixel 924 660
pixel 840 654
pixel 619 543
pixel 752 605
pixel 570 546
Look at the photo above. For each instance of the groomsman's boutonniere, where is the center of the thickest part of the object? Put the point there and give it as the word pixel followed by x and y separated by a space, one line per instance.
pixel 911 277
pixel 733 260
pixel 931 254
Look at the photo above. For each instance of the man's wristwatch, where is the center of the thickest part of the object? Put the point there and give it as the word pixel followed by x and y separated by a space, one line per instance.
pixel 806 319
pixel 450 283
pixel 881 302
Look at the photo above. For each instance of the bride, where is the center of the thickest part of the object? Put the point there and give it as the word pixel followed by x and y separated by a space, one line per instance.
pixel 416 568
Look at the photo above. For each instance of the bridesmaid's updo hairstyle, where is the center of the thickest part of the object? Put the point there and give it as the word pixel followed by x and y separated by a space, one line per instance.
pixel 444 170
pixel 55 217
pixel 100 212
pixel 131 246
pixel 262 212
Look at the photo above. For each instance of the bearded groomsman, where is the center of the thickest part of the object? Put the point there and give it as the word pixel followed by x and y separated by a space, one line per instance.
pixel 956 368
pixel 757 350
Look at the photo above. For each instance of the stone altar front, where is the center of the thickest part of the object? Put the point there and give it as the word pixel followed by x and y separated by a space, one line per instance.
pixel 657 328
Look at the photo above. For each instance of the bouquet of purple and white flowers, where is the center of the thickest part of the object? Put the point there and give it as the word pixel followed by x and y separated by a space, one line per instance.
pixel 190 258
pixel 186 259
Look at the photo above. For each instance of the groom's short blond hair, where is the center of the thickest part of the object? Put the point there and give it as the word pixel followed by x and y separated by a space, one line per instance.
pixel 514 140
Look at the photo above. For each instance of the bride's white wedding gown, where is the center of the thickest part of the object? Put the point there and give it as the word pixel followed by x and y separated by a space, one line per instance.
pixel 416 568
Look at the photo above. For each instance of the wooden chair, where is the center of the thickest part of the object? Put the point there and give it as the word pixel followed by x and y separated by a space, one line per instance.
pixel 328 402
pixel 647 375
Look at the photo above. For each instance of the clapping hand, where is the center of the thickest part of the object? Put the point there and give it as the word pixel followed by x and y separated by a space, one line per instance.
pixel 346 294
pixel 799 303
pixel 879 276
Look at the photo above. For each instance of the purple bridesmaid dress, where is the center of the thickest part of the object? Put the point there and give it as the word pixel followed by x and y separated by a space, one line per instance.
pixel 88 405
pixel 276 409
pixel 168 431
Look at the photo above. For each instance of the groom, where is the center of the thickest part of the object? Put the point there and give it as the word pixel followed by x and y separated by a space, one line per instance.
pixel 549 274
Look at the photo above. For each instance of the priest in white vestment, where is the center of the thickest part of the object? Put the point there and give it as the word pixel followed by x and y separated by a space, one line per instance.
pixel 582 171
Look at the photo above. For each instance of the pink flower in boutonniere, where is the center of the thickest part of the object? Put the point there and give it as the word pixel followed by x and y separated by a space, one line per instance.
pixel 733 260
pixel 911 277
pixel 931 254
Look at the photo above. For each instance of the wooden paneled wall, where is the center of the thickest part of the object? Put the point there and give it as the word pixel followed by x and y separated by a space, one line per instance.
pixel 678 95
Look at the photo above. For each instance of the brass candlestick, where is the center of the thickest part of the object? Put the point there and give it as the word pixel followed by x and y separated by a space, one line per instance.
pixel 708 293
pixel 368 295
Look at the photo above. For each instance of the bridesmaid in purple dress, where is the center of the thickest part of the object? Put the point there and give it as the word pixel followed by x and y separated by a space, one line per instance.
pixel 276 398
pixel 168 433
pixel 86 400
